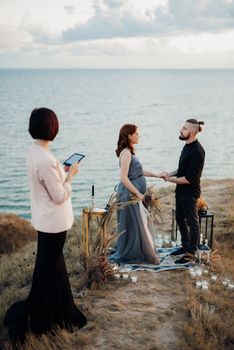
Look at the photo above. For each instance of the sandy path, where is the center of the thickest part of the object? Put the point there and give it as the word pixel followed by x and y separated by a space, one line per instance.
pixel 145 315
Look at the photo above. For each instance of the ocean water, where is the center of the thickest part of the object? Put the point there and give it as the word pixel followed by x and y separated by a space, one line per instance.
pixel 92 105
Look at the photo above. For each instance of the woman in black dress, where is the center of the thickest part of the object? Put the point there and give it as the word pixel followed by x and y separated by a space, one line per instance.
pixel 50 302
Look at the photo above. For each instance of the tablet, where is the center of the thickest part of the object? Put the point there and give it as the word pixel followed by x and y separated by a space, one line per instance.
pixel 75 158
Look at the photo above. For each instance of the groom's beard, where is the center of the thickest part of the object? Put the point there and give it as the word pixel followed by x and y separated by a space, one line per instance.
pixel 184 138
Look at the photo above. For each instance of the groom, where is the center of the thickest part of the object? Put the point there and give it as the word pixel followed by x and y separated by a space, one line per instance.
pixel 187 180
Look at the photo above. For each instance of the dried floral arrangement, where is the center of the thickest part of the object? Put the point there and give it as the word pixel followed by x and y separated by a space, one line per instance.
pixel 97 271
pixel 151 202
pixel 201 204
pixel 96 267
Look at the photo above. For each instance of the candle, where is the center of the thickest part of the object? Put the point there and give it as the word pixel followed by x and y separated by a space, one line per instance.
pixel 213 277
pixel 192 274
pixel 225 281
pixel 205 286
pixel 191 270
pixel 125 276
pixel 198 284
pixel 92 190
pixel 134 279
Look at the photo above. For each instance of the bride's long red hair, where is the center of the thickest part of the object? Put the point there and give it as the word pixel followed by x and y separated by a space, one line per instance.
pixel 123 141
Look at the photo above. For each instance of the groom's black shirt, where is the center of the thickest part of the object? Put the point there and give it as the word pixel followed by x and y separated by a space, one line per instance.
pixel 191 163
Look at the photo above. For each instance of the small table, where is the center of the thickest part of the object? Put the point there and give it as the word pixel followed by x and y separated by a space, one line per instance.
pixel 204 218
pixel 87 216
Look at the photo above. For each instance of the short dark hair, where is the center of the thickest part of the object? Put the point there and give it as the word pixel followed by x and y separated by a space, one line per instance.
pixel 43 124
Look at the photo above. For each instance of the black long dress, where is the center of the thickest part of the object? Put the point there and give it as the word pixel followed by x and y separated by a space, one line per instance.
pixel 50 302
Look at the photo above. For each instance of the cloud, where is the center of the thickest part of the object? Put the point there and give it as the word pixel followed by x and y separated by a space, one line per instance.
pixel 115 20
pixel 114 33
pixel 12 37
pixel 69 9
pixel 164 52
pixel 40 32
pixel 113 3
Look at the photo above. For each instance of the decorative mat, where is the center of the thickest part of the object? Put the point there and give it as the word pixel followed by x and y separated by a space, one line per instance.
pixel 167 263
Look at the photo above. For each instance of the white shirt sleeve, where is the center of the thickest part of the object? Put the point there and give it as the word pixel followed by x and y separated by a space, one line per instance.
pixel 52 179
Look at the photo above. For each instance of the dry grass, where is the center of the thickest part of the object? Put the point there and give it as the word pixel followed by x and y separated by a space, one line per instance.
pixel 211 312
pixel 59 339
pixel 14 233
pixel 161 311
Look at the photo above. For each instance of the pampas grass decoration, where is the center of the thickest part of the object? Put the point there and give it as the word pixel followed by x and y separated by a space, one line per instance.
pixel 151 202
pixel 97 269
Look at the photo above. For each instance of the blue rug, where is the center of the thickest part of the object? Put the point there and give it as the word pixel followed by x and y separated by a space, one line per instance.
pixel 167 263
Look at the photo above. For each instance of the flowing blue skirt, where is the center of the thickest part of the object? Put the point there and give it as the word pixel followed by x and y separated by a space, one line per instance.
pixel 134 244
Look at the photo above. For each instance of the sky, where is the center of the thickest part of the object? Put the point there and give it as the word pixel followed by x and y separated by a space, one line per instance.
pixel 161 34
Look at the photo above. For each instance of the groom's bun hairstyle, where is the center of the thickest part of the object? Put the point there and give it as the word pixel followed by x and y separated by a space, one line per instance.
pixel 196 122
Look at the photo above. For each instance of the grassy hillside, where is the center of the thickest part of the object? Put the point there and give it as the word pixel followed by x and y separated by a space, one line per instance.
pixel 161 311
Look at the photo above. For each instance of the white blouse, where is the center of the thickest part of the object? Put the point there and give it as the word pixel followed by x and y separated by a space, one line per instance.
pixel 50 194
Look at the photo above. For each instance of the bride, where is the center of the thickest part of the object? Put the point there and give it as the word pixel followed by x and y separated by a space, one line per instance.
pixel 134 244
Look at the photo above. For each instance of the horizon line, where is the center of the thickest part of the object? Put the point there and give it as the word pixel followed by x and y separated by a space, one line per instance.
pixel 118 68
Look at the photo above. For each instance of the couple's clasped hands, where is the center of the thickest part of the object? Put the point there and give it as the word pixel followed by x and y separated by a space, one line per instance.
pixel 165 176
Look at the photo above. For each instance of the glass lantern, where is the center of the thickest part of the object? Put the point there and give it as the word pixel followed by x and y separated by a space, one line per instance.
pixel 204 252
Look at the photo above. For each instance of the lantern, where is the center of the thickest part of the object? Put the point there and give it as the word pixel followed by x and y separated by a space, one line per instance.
pixel 204 252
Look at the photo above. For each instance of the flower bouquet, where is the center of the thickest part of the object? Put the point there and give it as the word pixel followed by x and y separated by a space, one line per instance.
pixel 151 202
pixel 202 205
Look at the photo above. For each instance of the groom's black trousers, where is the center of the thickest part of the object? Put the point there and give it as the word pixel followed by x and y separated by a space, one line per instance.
pixel 188 222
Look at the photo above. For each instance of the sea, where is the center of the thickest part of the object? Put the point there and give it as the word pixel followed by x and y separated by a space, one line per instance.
pixel 93 104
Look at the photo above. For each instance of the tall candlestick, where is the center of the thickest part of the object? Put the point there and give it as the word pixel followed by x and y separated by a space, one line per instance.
pixel 93 198
pixel 201 239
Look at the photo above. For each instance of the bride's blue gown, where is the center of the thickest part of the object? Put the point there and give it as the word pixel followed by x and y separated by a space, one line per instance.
pixel 135 244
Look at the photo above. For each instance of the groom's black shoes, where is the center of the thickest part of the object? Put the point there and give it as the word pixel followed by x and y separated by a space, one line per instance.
pixel 185 259
pixel 179 251
pixel 182 261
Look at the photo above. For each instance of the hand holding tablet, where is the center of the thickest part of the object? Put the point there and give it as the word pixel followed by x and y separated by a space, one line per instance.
pixel 75 158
